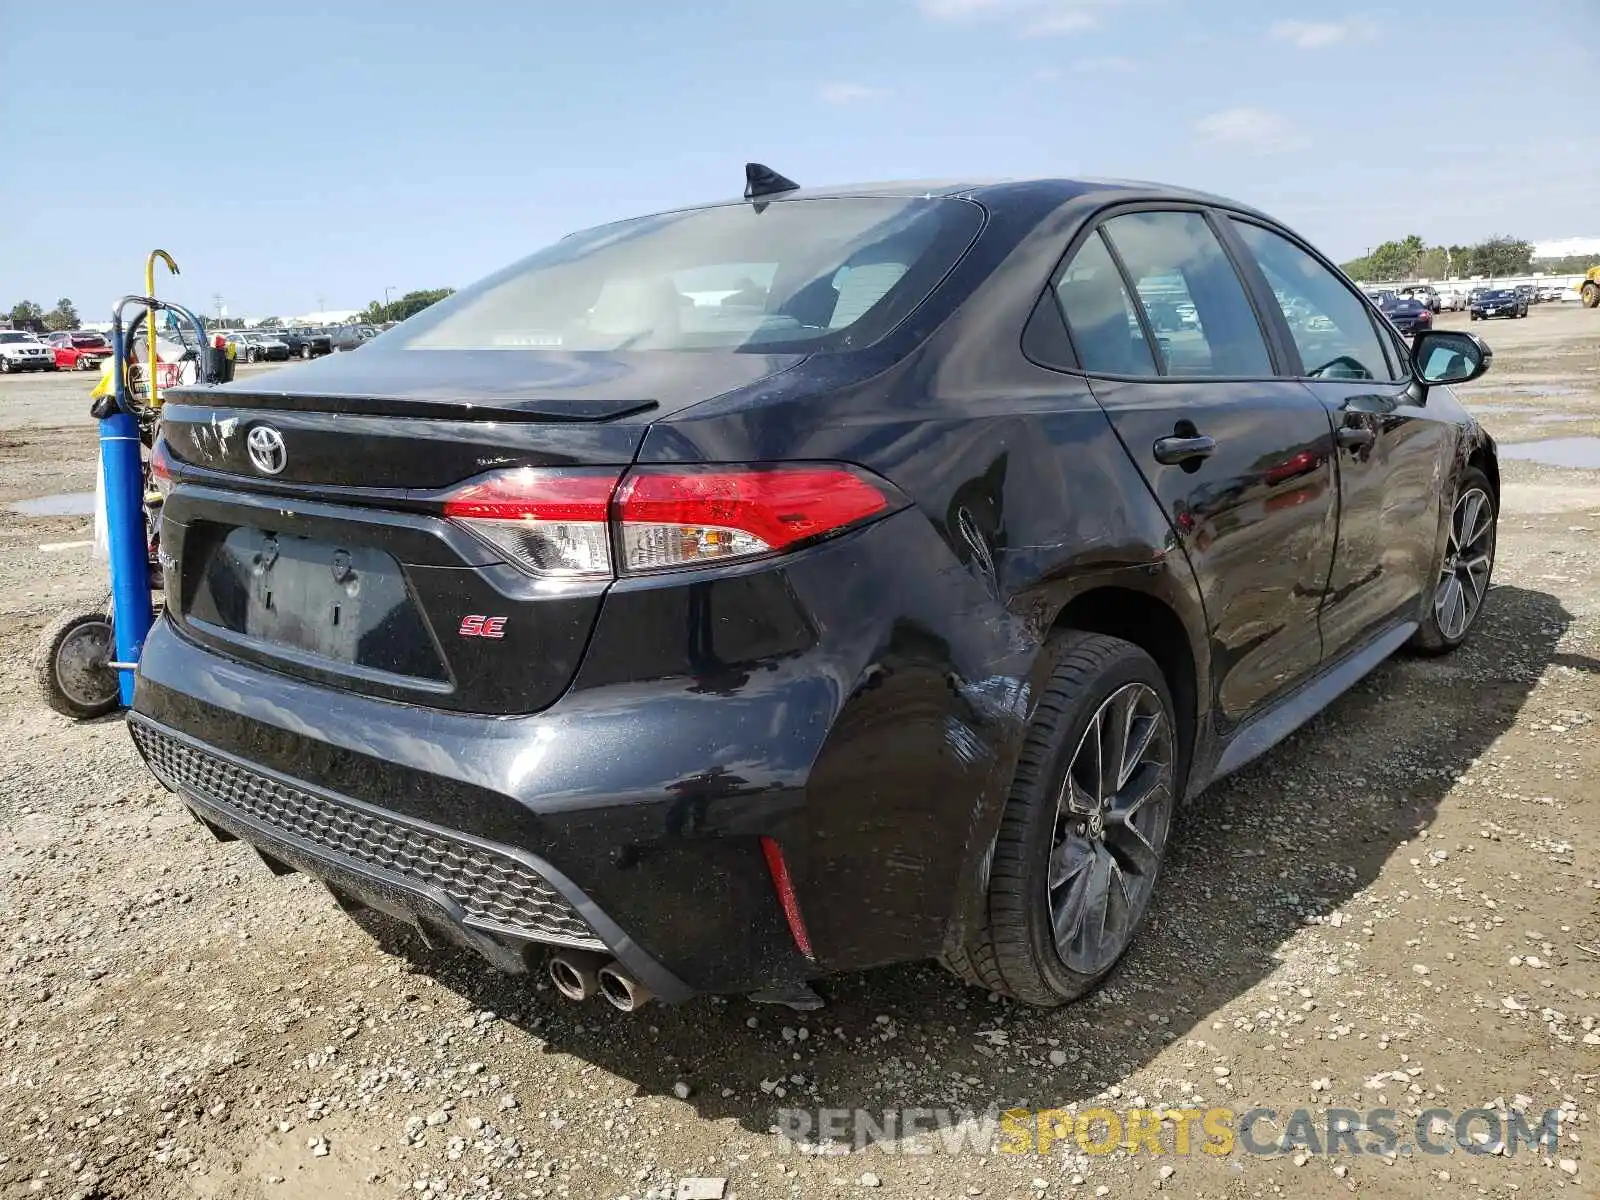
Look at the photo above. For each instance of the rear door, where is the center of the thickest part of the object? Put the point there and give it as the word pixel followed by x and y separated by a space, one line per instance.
pixel 1238 458
pixel 1393 452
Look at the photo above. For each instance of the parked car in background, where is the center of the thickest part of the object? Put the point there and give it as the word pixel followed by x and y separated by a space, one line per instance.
pixel 1549 292
pixel 889 616
pixel 1528 294
pixel 307 342
pixel 1451 299
pixel 351 337
pixel 1424 293
pixel 1409 315
pixel 79 350
pixel 1498 302
pixel 21 351
pixel 267 346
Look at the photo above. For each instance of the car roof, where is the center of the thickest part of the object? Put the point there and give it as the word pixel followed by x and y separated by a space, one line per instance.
pixel 992 193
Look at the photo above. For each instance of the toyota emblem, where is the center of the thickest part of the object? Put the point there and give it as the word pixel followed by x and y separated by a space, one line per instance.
pixel 266 449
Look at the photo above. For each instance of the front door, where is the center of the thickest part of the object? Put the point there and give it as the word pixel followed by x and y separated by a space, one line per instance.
pixel 1392 456
pixel 1241 461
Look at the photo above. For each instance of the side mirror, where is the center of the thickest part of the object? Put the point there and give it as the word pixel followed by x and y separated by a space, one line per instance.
pixel 1450 356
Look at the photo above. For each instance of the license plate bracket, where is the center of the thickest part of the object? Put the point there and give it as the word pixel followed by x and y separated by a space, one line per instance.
pixel 346 604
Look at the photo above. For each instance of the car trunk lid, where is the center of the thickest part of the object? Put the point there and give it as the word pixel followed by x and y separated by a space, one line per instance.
pixel 339 566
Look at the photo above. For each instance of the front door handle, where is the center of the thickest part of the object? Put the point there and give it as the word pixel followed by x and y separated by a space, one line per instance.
pixel 1175 451
pixel 1355 437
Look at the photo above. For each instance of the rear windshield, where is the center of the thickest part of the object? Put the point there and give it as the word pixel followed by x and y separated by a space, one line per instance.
pixel 789 275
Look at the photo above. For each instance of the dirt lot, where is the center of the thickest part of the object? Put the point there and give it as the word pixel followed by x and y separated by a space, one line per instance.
pixel 1400 908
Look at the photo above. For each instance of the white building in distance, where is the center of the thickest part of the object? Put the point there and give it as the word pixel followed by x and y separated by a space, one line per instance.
pixel 1564 247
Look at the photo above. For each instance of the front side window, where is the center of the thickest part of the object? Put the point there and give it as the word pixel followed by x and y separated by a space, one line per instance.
pixel 1191 295
pixel 788 275
pixel 1331 327
pixel 1100 316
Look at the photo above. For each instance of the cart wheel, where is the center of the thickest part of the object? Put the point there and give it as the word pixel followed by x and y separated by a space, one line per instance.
pixel 70 668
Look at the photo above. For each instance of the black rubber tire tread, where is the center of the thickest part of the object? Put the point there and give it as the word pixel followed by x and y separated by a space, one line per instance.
pixel 44 666
pixel 1000 957
pixel 1429 639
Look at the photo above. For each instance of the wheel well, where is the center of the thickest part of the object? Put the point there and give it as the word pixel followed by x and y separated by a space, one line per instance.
pixel 1149 624
pixel 1486 462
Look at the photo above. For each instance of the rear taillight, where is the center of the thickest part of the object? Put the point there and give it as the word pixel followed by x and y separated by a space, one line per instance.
pixel 678 517
pixel 160 469
pixel 563 524
pixel 551 523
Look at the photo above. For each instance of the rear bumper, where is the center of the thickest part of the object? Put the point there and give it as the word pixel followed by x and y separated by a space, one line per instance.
pixel 702 721
pixel 494 899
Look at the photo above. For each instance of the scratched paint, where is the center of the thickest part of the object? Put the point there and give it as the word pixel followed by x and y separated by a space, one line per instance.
pixel 997 697
pixel 964 742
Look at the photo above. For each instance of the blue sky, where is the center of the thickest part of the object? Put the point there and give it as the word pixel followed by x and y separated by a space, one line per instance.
pixel 356 146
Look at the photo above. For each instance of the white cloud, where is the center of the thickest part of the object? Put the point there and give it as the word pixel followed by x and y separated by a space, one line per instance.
pixel 1317 35
pixel 1104 64
pixel 1251 131
pixel 1072 20
pixel 850 93
pixel 1037 18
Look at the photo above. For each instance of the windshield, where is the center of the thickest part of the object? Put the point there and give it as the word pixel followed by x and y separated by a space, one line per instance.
pixel 790 275
pixel 12 335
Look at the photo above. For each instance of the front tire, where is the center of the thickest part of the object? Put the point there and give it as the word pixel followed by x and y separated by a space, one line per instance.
pixel 1085 827
pixel 1462 583
pixel 1591 295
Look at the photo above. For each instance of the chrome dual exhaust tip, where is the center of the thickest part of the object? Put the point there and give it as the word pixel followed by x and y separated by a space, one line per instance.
pixel 626 993
pixel 580 974
pixel 576 973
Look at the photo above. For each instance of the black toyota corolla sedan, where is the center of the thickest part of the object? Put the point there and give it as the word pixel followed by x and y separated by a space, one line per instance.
pixel 815 580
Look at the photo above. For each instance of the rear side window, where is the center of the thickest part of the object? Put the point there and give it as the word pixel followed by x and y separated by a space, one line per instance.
pixel 1331 327
pixel 1191 295
pixel 786 275
pixel 1099 314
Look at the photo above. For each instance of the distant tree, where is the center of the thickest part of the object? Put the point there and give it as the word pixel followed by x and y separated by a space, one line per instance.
pixel 1571 264
pixel 407 306
pixel 25 314
pixel 1434 263
pixel 62 316
pixel 1502 256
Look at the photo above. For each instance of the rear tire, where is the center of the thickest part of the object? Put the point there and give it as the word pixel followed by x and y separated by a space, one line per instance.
pixel 1462 582
pixel 1591 295
pixel 1084 830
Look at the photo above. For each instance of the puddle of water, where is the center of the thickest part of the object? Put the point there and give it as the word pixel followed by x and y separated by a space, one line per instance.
pixel 64 504
pixel 1543 389
pixel 1557 452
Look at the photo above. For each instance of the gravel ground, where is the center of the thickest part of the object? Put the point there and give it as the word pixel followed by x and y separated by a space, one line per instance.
pixel 1399 907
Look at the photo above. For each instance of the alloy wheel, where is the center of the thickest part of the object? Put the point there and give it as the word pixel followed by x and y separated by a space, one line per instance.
pixel 1464 577
pixel 1112 815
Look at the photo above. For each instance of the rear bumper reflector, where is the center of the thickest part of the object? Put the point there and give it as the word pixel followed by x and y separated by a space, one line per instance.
pixel 784 886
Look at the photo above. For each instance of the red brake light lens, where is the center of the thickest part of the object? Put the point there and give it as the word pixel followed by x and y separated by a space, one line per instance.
pixel 550 523
pixel 681 518
pixel 559 523
pixel 160 468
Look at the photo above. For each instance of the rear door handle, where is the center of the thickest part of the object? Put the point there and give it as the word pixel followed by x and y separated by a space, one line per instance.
pixel 1175 451
pixel 1355 437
